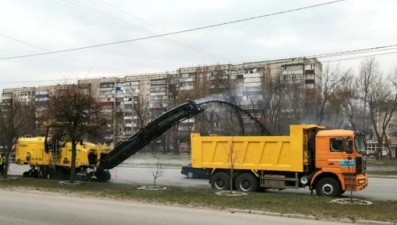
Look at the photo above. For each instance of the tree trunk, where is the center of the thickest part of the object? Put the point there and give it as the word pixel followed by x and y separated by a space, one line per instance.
pixel 6 159
pixel 73 163
pixel 231 179
pixel 175 142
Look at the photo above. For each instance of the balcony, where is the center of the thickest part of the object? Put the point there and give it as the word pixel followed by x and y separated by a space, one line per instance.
pixel 252 75
pixel 6 96
pixel 190 79
pixel 186 88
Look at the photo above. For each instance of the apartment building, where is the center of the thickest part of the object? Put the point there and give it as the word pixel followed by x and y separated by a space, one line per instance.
pixel 131 101
pixel 247 84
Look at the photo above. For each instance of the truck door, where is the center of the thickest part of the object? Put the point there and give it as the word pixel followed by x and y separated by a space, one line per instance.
pixel 338 156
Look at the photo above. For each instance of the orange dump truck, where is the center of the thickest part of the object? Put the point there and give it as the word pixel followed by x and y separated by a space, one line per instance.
pixel 327 161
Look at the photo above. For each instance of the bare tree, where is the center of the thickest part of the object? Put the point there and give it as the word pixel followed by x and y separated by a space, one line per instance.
pixel 222 83
pixel 269 106
pixel 16 119
pixel 198 87
pixel 157 172
pixel 293 98
pixel 172 92
pixel 232 152
pixel 333 79
pixel 347 99
pixel 382 104
pixel 141 110
pixel 340 103
pixel 369 71
pixel 76 112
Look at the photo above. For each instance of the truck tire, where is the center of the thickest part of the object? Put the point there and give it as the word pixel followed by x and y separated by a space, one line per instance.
pixel 246 182
pixel 328 187
pixel 220 181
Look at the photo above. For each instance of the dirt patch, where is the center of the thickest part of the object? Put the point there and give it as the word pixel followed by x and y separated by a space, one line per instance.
pixel 75 183
pixel 348 201
pixel 231 193
pixel 152 188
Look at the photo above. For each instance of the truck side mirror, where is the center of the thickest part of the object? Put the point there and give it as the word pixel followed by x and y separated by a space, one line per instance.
pixel 349 149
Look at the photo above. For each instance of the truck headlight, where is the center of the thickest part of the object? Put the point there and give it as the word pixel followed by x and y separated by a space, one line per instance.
pixel 361 181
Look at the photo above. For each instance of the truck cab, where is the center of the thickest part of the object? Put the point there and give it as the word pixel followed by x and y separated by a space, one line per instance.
pixel 339 162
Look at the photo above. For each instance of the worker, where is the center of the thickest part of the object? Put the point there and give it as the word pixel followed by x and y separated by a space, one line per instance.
pixel 2 162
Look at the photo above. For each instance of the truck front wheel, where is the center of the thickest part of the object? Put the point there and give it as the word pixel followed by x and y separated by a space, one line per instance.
pixel 220 181
pixel 328 187
pixel 246 182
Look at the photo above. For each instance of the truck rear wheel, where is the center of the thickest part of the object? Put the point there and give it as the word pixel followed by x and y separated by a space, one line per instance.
pixel 328 187
pixel 246 182
pixel 220 181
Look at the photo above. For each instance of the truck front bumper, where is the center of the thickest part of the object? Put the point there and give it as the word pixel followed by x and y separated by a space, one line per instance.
pixel 361 181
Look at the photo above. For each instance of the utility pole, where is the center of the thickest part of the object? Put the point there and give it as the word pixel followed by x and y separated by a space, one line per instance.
pixel 115 120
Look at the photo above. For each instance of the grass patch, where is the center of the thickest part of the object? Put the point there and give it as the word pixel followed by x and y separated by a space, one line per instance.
pixel 382 163
pixel 195 197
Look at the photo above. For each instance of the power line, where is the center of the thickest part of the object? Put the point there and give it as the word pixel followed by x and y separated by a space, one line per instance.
pixel 85 13
pixel 23 42
pixel 173 33
pixel 356 51
pixel 358 57
pixel 284 61
pixel 279 62
pixel 122 22
pixel 183 42
pixel 66 56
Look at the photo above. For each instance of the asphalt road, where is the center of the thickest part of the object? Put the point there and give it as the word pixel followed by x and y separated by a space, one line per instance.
pixel 27 208
pixel 378 188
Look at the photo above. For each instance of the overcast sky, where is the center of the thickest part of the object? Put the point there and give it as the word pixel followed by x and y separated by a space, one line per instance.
pixel 37 26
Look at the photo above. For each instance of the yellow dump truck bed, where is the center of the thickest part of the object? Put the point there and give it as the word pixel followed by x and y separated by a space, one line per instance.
pixel 271 153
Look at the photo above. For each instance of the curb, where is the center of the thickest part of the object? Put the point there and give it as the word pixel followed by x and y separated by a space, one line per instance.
pixel 310 217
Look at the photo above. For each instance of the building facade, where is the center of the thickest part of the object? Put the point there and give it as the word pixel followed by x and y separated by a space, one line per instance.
pixel 129 102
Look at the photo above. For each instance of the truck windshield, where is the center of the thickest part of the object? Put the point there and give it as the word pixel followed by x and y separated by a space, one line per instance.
pixel 359 142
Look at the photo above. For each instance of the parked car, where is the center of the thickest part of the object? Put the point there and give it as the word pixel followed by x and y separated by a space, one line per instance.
pixel 191 172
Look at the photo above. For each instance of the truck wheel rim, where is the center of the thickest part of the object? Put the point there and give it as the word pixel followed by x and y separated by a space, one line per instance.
pixel 190 175
pixel 328 189
pixel 245 185
pixel 220 184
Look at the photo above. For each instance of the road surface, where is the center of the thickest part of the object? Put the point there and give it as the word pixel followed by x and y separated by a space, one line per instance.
pixel 378 189
pixel 27 208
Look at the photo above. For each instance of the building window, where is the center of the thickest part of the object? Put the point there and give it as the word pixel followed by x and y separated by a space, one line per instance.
pixel 106 85
pixel 292 67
